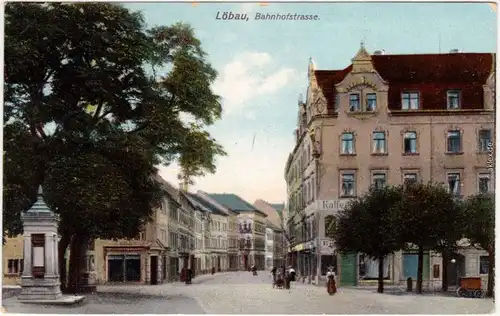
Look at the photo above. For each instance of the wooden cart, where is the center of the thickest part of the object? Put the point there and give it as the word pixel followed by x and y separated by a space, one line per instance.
pixel 470 287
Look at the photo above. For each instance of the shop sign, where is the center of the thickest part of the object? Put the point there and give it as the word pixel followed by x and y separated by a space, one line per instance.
pixel 310 245
pixel 327 246
pixel 332 205
pixel 299 247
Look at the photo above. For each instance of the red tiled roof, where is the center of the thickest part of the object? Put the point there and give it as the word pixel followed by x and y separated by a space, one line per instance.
pixel 431 75
pixel 327 79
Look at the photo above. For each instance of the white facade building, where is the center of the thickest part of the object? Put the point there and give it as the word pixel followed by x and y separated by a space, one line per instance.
pixel 269 248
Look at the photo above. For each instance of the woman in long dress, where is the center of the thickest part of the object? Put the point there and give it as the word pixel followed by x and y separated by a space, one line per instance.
pixel 331 286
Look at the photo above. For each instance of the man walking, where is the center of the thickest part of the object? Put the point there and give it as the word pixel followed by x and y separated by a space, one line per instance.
pixel 273 272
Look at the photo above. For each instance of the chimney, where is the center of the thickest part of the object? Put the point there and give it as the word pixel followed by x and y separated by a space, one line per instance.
pixel 379 52
pixel 455 51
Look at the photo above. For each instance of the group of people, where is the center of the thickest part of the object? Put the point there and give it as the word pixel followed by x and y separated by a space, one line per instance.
pixel 282 278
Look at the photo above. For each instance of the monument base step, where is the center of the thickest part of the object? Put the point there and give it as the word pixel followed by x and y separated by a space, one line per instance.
pixel 63 300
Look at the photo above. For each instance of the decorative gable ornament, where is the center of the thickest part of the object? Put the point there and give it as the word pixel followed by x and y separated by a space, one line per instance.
pixel 319 105
pixel 362 61
pixel 361 83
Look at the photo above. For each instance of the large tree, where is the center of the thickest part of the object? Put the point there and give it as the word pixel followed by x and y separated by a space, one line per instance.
pixel 372 225
pixel 93 103
pixel 480 229
pixel 430 213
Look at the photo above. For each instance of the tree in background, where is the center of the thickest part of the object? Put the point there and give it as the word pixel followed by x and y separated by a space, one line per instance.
pixel 429 213
pixel 480 229
pixel 87 116
pixel 372 224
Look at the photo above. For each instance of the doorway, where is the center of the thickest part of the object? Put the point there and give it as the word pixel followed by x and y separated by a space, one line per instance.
pixel 218 264
pixel 164 267
pixel 245 262
pixel 154 270
pixel 456 269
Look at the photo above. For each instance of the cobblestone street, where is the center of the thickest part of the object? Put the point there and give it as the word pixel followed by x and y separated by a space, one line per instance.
pixel 242 293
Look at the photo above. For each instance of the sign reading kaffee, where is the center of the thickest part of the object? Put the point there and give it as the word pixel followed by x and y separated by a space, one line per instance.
pixel 332 205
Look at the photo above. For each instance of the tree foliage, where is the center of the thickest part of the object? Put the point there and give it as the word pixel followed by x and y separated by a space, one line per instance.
pixel 372 224
pixel 93 102
pixel 430 214
pixel 480 229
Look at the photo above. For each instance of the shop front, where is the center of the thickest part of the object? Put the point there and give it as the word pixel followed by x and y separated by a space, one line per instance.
pixel 327 256
pixel 125 264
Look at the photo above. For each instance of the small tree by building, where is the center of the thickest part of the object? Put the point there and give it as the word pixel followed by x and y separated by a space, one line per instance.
pixel 372 225
pixel 480 229
pixel 428 213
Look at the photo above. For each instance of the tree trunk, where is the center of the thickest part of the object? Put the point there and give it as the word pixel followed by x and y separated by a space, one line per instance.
pixel 62 247
pixel 380 274
pixel 78 250
pixel 420 270
pixel 491 274
pixel 444 278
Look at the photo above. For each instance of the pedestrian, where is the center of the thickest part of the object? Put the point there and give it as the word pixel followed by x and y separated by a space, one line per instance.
pixel 280 282
pixel 293 274
pixel 331 285
pixel 273 272
pixel 254 269
pixel 287 281
pixel 188 275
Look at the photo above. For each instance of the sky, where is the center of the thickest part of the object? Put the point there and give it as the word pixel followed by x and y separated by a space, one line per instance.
pixel 262 68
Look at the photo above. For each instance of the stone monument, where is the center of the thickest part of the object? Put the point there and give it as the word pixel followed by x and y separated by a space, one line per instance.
pixel 40 279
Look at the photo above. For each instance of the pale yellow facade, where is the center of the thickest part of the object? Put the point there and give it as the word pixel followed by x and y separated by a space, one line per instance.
pixel 12 255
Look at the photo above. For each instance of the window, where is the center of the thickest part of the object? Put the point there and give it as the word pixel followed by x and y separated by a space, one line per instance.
pixel 483 264
pixel 348 143
pixel 371 102
pixel 354 102
pixel 348 185
pixel 409 101
pixel 484 183
pixel 453 99
pixel 410 142
pixel 378 142
pixel 454 183
pixel 329 225
pixel 379 180
pixel 454 142
pixel 484 140
pixel 15 266
pixel 409 178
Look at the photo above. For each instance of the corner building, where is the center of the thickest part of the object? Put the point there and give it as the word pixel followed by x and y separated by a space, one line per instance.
pixel 385 120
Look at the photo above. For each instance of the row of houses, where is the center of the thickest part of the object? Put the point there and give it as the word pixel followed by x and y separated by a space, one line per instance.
pixel 200 231
pixel 387 120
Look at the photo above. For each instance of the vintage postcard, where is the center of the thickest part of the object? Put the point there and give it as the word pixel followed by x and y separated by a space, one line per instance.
pixel 249 157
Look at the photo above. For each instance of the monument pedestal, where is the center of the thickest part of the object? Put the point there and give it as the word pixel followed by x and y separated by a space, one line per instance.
pixel 47 288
